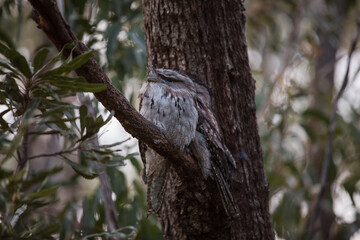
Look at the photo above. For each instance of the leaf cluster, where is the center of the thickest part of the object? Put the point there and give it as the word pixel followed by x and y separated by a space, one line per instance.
pixel 39 98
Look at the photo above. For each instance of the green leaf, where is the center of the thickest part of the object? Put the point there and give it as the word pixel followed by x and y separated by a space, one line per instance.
pixel 54 110
pixel 3 123
pixel 47 231
pixel 57 57
pixel 6 38
pixel 16 60
pixel 117 234
pixel 134 35
pixel 19 176
pixel 148 230
pixel 7 65
pixel 78 86
pixel 42 193
pixel 309 131
pixel 40 58
pixel 17 214
pixel 350 187
pixel 40 177
pixel 112 33
pixel 113 144
pixel 83 114
pixel 60 122
pixel 63 78
pixel 20 63
pixel 12 89
pixel 80 60
pixel 69 66
pixel 15 143
pixel 317 114
pixel 109 117
pixel 136 163
pixel 81 170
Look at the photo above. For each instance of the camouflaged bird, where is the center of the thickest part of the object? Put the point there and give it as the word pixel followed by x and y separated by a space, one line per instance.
pixel 181 108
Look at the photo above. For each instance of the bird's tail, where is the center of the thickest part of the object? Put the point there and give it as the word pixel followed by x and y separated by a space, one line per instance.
pixel 226 197
pixel 156 184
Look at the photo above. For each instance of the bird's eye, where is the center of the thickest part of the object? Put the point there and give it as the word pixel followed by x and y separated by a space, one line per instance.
pixel 170 78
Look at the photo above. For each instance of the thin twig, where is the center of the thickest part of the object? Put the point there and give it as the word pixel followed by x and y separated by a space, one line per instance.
pixel 55 153
pixel 328 151
pixel 44 133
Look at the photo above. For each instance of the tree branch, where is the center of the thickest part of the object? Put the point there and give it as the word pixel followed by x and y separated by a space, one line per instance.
pixel 49 19
pixel 55 153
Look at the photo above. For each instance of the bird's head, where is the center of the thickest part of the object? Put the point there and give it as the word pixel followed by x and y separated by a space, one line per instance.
pixel 171 78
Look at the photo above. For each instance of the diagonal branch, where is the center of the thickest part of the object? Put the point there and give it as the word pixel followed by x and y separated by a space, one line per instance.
pixel 55 153
pixel 49 19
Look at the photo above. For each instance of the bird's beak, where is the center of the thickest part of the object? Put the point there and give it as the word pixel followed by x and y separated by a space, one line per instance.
pixel 153 76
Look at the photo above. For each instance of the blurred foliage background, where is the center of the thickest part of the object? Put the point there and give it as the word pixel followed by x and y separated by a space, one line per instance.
pixel 63 177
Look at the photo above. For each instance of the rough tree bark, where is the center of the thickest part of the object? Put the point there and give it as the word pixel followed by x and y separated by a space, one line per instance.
pixel 205 38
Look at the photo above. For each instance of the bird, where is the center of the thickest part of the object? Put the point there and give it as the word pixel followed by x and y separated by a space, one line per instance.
pixel 180 107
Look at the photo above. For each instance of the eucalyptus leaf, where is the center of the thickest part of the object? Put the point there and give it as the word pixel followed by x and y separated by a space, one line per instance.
pixel 15 143
pixel 317 114
pixel 56 58
pixel 41 176
pixel 68 66
pixel 42 193
pixel 83 114
pixel 78 86
pixel 7 65
pixel 81 170
pixel 16 59
pixel 5 37
pixel 40 58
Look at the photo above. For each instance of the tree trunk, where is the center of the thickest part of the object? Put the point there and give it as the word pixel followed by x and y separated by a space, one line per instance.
pixel 207 39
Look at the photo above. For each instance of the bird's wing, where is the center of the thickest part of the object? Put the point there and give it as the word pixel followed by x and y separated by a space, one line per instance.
pixel 208 126
pixel 217 157
pixel 220 157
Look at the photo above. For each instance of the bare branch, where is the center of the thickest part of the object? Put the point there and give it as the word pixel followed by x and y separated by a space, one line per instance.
pixel 55 154
pixel 328 151
pixel 49 19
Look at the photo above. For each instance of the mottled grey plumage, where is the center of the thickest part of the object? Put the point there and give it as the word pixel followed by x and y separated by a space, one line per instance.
pixel 181 108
